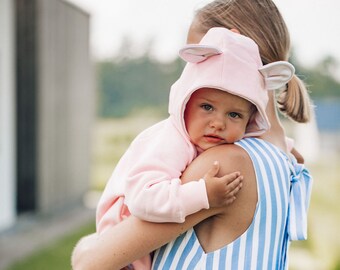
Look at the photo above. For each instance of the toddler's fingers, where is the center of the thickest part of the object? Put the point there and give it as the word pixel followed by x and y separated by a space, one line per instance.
pixel 229 178
pixel 236 189
pixel 230 200
pixel 213 170
pixel 236 183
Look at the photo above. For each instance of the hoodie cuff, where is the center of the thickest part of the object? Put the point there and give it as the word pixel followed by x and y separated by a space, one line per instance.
pixel 290 144
pixel 194 197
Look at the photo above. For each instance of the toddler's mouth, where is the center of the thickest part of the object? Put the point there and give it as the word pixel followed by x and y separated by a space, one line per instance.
pixel 213 138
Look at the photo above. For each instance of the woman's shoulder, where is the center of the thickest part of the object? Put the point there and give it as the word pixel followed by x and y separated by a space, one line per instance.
pixel 230 154
pixel 231 158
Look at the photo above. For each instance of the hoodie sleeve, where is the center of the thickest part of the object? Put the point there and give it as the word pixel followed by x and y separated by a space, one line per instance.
pixel 290 143
pixel 153 189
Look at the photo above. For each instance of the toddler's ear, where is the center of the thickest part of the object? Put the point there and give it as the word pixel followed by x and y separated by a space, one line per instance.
pixel 195 53
pixel 277 74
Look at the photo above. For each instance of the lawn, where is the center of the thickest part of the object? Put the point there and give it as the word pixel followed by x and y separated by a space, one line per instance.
pixel 56 256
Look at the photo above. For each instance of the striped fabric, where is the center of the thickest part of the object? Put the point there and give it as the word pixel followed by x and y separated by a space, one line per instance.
pixel 301 189
pixel 265 243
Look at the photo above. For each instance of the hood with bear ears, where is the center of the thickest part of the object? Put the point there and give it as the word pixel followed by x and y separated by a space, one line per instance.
pixel 229 62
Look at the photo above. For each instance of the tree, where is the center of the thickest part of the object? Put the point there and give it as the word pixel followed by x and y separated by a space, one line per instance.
pixel 320 79
pixel 128 84
pixel 133 84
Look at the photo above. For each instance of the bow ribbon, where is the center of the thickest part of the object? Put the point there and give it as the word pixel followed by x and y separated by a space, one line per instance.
pixel 300 193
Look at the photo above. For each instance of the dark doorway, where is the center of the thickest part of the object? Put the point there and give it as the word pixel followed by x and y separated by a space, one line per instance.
pixel 26 103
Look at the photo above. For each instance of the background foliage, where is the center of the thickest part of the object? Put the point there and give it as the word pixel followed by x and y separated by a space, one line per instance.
pixel 132 84
pixel 126 85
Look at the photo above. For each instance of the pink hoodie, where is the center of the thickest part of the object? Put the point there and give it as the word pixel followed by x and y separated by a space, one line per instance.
pixel 146 182
pixel 147 179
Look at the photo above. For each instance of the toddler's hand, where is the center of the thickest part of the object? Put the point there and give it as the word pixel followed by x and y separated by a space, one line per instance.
pixel 222 190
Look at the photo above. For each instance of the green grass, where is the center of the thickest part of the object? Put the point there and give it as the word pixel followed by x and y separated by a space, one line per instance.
pixel 56 256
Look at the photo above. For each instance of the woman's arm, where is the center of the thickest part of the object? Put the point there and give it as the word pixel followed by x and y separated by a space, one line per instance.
pixel 134 238
pixel 128 241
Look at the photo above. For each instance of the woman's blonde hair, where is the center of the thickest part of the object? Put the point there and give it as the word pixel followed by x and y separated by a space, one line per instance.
pixel 261 21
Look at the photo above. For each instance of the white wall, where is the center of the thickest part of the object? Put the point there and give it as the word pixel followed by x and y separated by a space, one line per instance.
pixel 7 115
pixel 65 98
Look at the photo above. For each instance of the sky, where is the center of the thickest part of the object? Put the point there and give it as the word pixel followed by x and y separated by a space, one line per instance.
pixel 314 26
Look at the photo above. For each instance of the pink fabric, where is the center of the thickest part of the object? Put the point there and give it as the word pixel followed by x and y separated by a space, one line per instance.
pixel 290 144
pixel 146 179
pixel 235 68
pixel 146 182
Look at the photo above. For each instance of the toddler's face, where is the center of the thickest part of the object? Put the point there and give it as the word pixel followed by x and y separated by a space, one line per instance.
pixel 213 117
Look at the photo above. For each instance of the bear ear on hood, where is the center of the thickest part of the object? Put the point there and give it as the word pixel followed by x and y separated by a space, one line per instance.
pixel 277 74
pixel 195 53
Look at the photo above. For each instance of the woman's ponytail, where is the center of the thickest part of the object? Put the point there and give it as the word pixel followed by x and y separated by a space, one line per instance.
pixel 295 102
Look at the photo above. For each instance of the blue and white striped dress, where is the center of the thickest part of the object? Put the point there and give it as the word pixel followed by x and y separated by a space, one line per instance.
pixel 284 189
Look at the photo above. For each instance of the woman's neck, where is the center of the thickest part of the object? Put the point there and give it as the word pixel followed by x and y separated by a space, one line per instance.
pixel 276 133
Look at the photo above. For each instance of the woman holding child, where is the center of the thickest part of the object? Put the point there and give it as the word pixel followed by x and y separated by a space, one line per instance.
pixel 270 210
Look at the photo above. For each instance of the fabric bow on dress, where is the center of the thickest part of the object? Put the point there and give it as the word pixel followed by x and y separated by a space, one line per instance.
pixel 300 193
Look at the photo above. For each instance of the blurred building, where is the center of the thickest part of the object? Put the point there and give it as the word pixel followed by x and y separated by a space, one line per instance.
pixel 328 115
pixel 46 107
pixel 321 137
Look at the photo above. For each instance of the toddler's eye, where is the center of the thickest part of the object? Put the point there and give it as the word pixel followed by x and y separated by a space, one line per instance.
pixel 206 107
pixel 234 115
